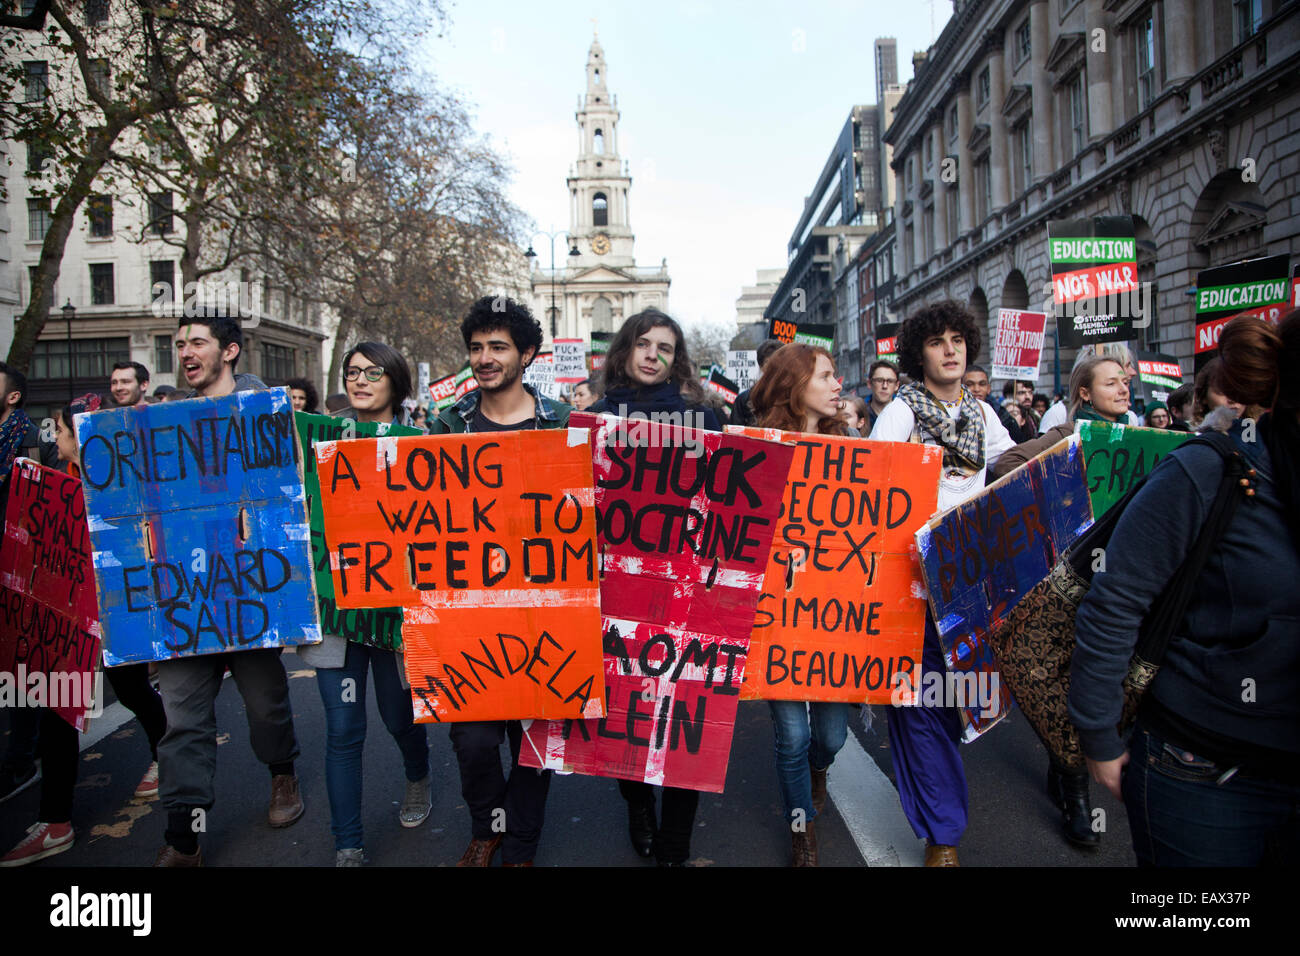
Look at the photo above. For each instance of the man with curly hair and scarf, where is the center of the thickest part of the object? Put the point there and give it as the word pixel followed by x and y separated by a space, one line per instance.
pixel 934 346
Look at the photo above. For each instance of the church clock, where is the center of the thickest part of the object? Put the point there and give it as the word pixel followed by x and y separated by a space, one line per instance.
pixel 600 244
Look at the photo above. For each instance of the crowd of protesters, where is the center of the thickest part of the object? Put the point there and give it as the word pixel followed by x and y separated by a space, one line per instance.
pixel 1206 779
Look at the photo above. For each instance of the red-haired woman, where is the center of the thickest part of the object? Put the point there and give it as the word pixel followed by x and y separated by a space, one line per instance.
pixel 799 392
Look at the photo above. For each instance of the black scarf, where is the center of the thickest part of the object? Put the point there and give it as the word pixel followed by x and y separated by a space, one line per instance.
pixel 962 439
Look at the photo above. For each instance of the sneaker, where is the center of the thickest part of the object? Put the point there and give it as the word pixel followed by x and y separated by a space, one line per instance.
pixel 286 802
pixel 417 804
pixel 13 783
pixel 148 787
pixel 350 857
pixel 42 840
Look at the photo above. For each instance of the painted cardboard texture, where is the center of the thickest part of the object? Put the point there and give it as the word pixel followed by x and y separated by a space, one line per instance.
pixel 982 556
pixel 842 608
pixel 198 520
pixel 49 620
pixel 1117 456
pixel 378 627
pixel 488 543
pixel 687 519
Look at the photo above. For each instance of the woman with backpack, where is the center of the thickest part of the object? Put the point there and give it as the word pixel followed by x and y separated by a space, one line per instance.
pixel 1211 773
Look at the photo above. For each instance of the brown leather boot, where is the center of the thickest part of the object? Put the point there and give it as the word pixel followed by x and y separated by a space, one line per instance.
pixel 170 856
pixel 939 854
pixel 286 802
pixel 804 845
pixel 480 852
pixel 818 789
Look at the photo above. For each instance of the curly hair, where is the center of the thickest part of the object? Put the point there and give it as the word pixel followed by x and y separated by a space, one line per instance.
pixel 494 312
pixel 934 319
pixel 681 373
pixel 308 390
pixel 777 399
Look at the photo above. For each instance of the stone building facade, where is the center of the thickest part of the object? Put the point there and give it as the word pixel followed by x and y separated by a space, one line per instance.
pixel 1184 114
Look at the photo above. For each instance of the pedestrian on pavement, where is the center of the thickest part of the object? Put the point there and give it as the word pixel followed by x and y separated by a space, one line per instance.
pixel 377 379
pixel 934 409
pixel 883 379
pixel 1156 415
pixel 502 338
pixel 303 396
pixel 648 371
pixel 1116 350
pixel 1180 408
pixel 1211 773
pixel 52 833
pixel 209 349
pixel 799 392
pixel 859 414
pixel 742 413
pixel 1208 394
pixel 585 394
pixel 129 384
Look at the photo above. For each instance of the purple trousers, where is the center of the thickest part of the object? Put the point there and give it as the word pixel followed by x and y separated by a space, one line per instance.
pixel 923 742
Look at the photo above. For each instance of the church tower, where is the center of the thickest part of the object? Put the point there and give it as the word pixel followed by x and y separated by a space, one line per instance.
pixel 602 285
pixel 599 181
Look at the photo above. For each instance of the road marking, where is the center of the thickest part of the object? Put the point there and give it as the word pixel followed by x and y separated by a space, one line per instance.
pixel 868 804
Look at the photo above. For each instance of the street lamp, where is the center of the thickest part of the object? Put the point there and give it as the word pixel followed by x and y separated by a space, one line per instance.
pixel 69 313
pixel 573 252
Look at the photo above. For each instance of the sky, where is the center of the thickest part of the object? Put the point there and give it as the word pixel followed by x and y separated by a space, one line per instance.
pixel 729 111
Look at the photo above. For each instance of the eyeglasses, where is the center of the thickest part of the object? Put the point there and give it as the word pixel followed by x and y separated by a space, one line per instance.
pixel 373 373
pixel 884 381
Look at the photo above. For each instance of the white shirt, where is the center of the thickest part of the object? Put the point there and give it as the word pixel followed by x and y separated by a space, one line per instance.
pixel 1059 415
pixel 897 422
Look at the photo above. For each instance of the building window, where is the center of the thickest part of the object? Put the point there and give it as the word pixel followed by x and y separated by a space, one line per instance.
pixel 277 362
pixel 160 213
pixel 599 210
pixel 99 210
pixel 38 219
pixel 1146 62
pixel 27 8
pixel 952 125
pixel 1024 45
pixel 1078 114
pixel 907 173
pixel 100 74
pixel 909 245
pixel 92 358
pixel 954 226
pixel 1247 16
pixel 38 80
pixel 96 12
pixel 601 315
pixel 983 188
pixel 162 353
pixel 38 153
pixel 101 283
pixel 1024 140
pixel 598 143
pixel 982 89
pixel 927 224
pixel 162 280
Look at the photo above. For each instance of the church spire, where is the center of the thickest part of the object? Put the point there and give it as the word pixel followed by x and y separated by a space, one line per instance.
pixel 596 79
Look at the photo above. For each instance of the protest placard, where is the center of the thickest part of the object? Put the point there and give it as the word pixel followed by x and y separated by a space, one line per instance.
pixel 540 374
pixel 488 543
pixel 980 558
pixel 887 341
pixel 599 349
pixel 742 368
pixel 1094 270
pixel 805 333
pixel 718 383
pixel 49 620
pixel 842 608
pixel 686 523
pixel 380 627
pixel 198 519
pixel 570 361
pixel 1158 375
pixel 1256 287
pixel 1018 344
pixel 1117 456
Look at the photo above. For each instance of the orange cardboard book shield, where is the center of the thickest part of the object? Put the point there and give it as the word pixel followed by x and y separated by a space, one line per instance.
pixel 842 610
pixel 488 542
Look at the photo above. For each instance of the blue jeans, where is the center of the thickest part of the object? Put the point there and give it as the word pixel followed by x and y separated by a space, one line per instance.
pixel 345 732
pixel 808 735
pixel 1180 815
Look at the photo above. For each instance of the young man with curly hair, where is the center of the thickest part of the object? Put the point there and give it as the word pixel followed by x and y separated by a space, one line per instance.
pixel 502 338
pixel 935 409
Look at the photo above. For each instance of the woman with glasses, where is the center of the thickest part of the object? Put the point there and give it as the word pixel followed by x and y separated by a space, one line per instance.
pixel 377 380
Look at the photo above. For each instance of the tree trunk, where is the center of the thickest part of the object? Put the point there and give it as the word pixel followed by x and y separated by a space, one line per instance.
pixel 341 339
pixel 29 325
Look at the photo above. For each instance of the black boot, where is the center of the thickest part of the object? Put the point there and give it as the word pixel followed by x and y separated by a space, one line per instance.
pixel 641 826
pixel 1069 791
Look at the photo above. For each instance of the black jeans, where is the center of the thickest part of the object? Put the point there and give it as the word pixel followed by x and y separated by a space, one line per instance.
pixel 673 840
pixel 514 808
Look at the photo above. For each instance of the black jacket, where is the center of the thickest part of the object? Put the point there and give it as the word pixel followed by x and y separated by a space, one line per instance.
pixel 663 398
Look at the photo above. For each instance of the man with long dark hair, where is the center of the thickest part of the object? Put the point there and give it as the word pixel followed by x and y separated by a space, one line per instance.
pixel 502 338
pixel 934 409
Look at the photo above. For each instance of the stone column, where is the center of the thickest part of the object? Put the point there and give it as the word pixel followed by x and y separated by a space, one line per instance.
pixel 1180 39
pixel 1101 121
pixel 1045 118
pixel 941 238
pixel 999 140
pixel 966 184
